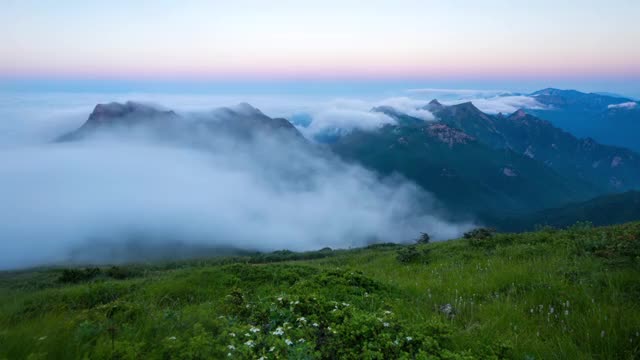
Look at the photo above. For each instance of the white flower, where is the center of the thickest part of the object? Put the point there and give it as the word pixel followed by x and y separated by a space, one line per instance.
pixel 328 327
pixel 272 348
pixel 301 340
pixel 262 358
pixel 395 342
pixel 387 312
pixel 228 354
pixel 280 299
pixel 385 324
pixel 172 338
pixel 42 338
pixel 231 347
pixel 409 338
pixel 566 312
pixel 254 329
pixel 345 304
pixel 247 334
pixel 302 320
pixel 297 302
pixel 279 331
pixel 288 342
pixel 551 310
pixel 315 324
pixel 249 343
pixel 602 333
pixel 232 334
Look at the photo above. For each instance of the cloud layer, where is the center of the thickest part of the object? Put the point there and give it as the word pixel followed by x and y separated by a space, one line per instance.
pixel 95 200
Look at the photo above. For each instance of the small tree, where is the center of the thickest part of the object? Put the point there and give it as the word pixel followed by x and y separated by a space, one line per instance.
pixel 423 239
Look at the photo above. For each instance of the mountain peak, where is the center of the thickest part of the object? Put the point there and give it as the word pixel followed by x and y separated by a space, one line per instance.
pixel 246 109
pixel 520 114
pixel 466 107
pixel 433 105
pixel 116 110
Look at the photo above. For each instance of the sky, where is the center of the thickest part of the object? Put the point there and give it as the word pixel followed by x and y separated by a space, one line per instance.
pixel 173 45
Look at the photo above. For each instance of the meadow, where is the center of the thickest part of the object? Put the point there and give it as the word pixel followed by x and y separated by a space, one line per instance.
pixel 548 294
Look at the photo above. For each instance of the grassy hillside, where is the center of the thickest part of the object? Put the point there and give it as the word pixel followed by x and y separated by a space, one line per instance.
pixel 551 294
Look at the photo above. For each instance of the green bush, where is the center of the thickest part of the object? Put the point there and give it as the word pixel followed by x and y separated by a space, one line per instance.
pixel 423 239
pixel 410 254
pixel 480 236
pixel 78 275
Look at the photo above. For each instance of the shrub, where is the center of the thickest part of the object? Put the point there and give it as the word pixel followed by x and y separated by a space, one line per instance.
pixel 479 236
pixel 423 239
pixel 407 254
pixel 119 273
pixel 78 275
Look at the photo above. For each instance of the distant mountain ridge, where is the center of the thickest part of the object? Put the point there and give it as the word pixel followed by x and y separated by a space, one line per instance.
pixel 240 121
pixel 606 118
pixel 604 210
pixel 477 164
pixel 608 167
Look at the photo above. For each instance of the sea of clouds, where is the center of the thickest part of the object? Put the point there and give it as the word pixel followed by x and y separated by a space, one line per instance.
pixel 117 199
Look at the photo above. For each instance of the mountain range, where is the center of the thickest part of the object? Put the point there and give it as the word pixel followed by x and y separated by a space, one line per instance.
pixel 609 119
pixel 491 167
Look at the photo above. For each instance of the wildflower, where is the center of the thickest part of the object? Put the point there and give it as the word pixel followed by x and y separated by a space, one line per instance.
pixel 42 338
pixel 409 338
pixel 329 328
pixel 385 324
pixel 566 312
pixel 551 310
pixel 173 338
pixel 262 358
pixel 279 331
pixel 345 304
pixel 228 354
pixel 247 335
pixel 387 312
pixel 288 342
pixel 531 311
pixel 250 343
pixel 272 348
pixel 315 324
pixel 280 299
pixel 254 329
pixel 232 334
pixel 231 347
pixel 602 333
pixel 395 342
pixel 302 320
pixel 296 302
pixel 301 340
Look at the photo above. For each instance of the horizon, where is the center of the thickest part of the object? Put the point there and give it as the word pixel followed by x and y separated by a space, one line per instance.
pixel 250 47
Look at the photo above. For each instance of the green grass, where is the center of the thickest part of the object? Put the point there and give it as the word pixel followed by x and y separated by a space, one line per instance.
pixel 550 294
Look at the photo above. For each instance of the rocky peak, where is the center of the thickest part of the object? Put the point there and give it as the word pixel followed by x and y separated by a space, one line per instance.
pixel 108 112
pixel 518 115
pixel 433 105
pixel 447 134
